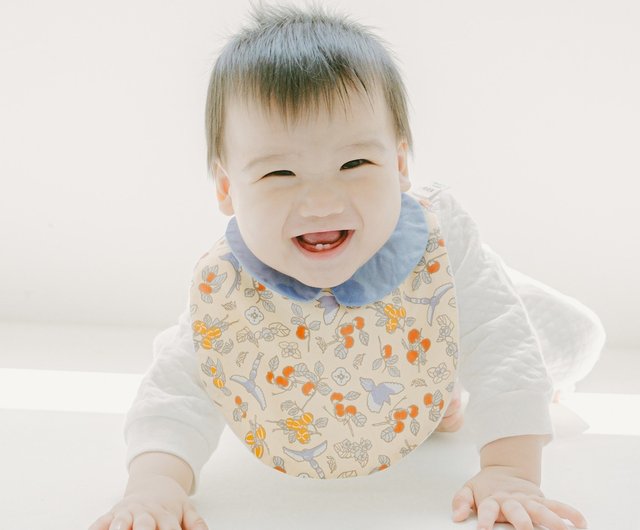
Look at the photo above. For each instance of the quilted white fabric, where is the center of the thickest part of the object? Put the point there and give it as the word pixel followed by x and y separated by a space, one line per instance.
pixel 519 340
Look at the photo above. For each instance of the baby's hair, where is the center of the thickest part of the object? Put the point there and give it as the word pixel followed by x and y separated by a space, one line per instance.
pixel 292 60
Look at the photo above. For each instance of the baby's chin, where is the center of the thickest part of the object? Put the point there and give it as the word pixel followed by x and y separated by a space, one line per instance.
pixel 323 281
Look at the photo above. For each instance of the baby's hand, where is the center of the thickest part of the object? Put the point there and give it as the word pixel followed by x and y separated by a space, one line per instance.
pixel 498 495
pixel 152 501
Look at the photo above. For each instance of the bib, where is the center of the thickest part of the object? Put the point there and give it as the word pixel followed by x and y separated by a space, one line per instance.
pixel 319 389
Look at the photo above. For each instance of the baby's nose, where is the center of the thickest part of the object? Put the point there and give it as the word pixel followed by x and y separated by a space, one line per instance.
pixel 321 200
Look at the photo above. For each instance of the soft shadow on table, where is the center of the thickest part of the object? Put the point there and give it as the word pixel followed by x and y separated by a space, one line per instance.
pixel 61 470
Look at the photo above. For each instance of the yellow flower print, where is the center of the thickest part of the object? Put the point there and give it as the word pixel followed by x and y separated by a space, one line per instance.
pixel 210 331
pixel 394 315
pixel 255 438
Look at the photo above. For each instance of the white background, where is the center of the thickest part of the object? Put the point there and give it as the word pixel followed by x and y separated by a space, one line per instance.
pixel 528 110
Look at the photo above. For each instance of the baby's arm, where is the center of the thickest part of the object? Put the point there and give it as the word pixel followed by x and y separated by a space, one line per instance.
pixel 501 366
pixel 171 430
pixel 156 496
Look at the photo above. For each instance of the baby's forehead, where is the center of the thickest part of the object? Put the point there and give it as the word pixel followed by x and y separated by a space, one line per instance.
pixel 310 109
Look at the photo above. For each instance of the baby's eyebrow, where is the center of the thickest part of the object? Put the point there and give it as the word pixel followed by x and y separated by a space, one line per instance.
pixel 278 156
pixel 364 144
pixel 265 158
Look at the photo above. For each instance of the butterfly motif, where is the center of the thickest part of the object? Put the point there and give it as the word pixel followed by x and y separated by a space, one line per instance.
pixel 379 394
pixel 431 302
pixel 330 306
pixel 249 383
pixel 308 455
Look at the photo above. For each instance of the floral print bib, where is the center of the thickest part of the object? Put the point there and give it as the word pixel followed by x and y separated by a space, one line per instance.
pixel 323 390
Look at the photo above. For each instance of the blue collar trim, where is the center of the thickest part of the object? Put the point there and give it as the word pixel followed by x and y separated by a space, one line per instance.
pixel 384 271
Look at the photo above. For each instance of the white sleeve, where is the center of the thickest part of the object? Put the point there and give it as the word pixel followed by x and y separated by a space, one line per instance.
pixel 500 364
pixel 172 411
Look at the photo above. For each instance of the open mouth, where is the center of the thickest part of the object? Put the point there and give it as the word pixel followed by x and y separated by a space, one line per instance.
pixel 323 242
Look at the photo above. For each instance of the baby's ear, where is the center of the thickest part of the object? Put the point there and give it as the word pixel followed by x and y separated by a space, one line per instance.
pixel 403 166
pixel 222 189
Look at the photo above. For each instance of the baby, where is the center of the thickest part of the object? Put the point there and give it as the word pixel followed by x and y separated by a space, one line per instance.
pixel 332 327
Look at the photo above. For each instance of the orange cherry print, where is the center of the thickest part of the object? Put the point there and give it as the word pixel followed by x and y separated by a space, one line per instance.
pixel 412 355
pixel 350 410
pixel 386 351
pixel 426 344
pixel 359 322
pixel 413 336
pixel 399 427
pixel 347 329
pixel 382 467
pixel 301 332
pixel 340 409
pixel 400 415
pixel 260 287
pixel 428 399
pixel 288 370
pixel 270 377
pixel 210 277
pixel 282 381
pixel 348 342
pixel 279 468
pixel 441 242
pixel 413 411
pixel 238 400
pixel 337 396
pixel 307 388
pixel 205 288
pixel 434 267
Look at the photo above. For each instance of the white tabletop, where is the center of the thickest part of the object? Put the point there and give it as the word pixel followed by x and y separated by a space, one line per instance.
pixel 60 470
pixel 63 395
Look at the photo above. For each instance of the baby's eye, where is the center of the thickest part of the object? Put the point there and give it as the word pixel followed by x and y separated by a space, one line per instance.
pixel 354 163
pixel 280 173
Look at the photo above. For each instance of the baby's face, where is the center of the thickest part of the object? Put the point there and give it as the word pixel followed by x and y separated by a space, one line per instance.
pixel 318 198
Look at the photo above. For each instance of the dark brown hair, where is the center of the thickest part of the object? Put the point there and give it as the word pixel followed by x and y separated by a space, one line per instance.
pixel 293 60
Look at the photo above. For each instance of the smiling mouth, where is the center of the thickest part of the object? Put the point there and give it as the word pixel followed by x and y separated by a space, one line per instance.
pixel 322 241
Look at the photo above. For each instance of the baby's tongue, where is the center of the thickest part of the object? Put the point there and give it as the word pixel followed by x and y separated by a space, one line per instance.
pixel 313 238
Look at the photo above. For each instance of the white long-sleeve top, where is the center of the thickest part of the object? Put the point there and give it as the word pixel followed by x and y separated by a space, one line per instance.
pixel 500 364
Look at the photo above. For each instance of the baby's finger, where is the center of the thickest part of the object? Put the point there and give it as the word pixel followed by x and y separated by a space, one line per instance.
pixel 168 522
pixel 143 521
pixel 192 521
pixel 544 516
pixel 515 513
pixel 121 521
pixel 566 512
pixel 488 512
pixel 462 504
pixel 102 522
